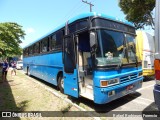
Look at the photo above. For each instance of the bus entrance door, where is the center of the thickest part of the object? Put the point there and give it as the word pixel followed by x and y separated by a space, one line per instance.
pixel 70 68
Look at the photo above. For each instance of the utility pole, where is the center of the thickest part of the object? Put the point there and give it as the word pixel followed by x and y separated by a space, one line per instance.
pixel 90 4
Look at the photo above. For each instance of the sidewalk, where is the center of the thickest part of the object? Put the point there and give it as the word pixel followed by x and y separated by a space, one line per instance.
pixel 22 94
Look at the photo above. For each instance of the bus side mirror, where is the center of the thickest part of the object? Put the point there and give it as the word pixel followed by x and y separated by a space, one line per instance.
pixel 92 39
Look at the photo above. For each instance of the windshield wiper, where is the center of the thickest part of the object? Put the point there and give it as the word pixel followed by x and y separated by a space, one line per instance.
pixel 133 50
pixel 121 60
pixel 125 55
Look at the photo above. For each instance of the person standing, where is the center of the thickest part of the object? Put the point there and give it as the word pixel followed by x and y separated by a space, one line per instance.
pixel 13 65
pixel 5 67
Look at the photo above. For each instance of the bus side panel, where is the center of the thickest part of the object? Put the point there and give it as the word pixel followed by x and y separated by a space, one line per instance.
pixel 45 67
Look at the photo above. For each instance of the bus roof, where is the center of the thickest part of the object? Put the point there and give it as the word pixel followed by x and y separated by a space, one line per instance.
pixel 81 16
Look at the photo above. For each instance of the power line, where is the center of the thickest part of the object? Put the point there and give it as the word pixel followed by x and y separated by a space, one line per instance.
pixel 77 7
pixel 72 10
pixel 77 10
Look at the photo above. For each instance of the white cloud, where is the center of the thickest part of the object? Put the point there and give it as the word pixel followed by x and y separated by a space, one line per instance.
pixel 30 30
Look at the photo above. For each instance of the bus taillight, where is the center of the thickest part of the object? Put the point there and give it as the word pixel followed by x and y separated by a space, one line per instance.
pixel 157 74
pixel 157 70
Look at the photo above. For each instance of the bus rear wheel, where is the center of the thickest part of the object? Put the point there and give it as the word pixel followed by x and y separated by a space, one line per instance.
pixel 61 83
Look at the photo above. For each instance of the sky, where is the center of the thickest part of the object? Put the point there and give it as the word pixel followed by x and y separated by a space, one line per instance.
pixel 38 17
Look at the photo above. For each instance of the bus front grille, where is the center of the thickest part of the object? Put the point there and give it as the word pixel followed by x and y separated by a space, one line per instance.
pixel 128 78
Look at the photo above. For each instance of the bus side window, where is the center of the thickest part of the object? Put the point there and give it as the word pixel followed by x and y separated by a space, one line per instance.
pixel 59 38
pixel 53 42
pixel 30 50
pixel 45 45
pixel 36 48
pixel 26 52
pixel 56 40
pixel 40 45
pixel 48 41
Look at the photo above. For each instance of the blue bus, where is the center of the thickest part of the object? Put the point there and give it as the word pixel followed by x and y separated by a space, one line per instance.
pixel 91 55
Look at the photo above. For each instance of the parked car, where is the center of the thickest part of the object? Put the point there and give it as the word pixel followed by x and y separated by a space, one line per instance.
pixel 19 65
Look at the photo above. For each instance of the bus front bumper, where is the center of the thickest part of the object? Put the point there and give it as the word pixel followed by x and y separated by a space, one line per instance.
pixel 103 95
pixel 156 92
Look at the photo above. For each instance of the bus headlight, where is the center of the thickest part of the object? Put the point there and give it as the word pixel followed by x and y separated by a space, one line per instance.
pixel 105 83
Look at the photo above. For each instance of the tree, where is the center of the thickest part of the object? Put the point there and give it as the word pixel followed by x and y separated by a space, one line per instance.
pixel 11 35
pixel 138 11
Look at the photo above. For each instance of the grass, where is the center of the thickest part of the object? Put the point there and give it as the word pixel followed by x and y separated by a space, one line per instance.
pixel 22 94
pixel 66 108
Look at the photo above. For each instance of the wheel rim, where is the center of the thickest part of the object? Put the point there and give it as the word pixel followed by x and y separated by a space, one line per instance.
pixel 62 83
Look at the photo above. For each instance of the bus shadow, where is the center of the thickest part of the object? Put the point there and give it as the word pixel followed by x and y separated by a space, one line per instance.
pixel 105 108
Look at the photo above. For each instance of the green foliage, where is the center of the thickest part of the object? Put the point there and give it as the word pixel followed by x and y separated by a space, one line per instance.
pixel 138 11
pixel 11 35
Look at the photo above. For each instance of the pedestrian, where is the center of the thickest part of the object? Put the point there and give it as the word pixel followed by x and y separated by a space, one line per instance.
pixel 5 67
pixel 13 68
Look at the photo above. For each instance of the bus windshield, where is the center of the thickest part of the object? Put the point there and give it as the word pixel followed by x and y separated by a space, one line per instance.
pixel 115 48
pixel 130 40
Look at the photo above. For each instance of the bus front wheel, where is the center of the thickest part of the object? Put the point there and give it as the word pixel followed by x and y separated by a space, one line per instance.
pixel 61 83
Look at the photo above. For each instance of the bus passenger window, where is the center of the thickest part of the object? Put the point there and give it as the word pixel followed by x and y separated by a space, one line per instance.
pixel 31 50
pixel 36 48
pixel 45 45
pixel 53 42
pixel 56 41
pixel 25 52
pixel 59 38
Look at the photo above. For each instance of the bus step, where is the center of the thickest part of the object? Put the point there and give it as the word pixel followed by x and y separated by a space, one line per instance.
pixel 89 87
pixel 88 92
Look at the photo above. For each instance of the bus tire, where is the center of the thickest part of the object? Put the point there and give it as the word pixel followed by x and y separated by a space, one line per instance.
pixel 61 83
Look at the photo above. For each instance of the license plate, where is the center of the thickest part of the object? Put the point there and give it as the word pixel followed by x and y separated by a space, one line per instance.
pixel 127 90
pixel 129 87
